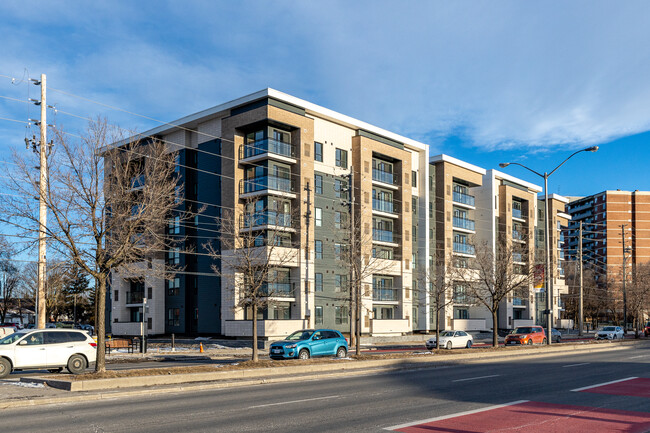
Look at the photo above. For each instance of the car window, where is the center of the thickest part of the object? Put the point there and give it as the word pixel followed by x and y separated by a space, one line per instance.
pixel 34 339
pixel 609 328
pixel 462 333
pixel 300 335
pixel 447 334
pixel 318 335
pixel 12 338
pixel 331 334
pixel 523 330
pixel 75 336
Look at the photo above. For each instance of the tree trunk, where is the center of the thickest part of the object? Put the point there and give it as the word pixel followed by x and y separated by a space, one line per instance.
pixel 495 328
pixel 255 355
pixel 358 319
pixel 437 325
pixel 100 325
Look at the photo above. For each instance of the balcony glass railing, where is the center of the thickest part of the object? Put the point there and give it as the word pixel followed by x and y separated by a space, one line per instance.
pixel 383 206
pixel 384 176
pixel 382 235
pixel 463 198
pixel 462 248
pixel 384 294
pixel 271 218
pixel 517 213
pixel 134 297
pixel 518 257
pixel 518 236
pixel 518 302
pixel 280 290
pixel 268 145
pixel 461 298
pixel 266 183
pixel 463 223
pixel 137 181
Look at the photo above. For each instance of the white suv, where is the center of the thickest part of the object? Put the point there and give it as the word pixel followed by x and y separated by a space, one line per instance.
pixel 50 349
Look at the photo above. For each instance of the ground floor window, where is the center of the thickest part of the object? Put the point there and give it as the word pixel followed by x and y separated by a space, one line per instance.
pixel 319 315
pixel 461 313
pixel 383 312
pixel 341 315
pixel 174 316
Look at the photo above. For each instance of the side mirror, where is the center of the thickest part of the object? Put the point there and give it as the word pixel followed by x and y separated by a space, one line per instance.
pixel 23 343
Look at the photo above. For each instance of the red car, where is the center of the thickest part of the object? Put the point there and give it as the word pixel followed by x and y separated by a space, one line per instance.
pixel 646 330
pixel 526 335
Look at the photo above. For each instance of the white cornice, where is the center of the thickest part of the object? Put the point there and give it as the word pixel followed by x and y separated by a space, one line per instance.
pixel 501 175
pixel 458 162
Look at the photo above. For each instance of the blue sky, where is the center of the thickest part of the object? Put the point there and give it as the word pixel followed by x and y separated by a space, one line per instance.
pixel 485 82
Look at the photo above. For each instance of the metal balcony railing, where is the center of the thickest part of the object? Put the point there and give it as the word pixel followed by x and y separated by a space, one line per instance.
pixel 268 145
pixel 263 183
pixel 382 235
pixel 271 218
pixel 279 290
pixel 518 302
pixel 462 248
pixel 384 176
pixel 134 297
pixel 463 223
pixel 463 198
pixel 384 294
pixel 384 206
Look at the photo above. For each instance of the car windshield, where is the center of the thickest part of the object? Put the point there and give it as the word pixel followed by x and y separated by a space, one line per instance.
pixel 609 328
pixel 447 334
pixel 300 335
pixel 523 330
pixel 12 338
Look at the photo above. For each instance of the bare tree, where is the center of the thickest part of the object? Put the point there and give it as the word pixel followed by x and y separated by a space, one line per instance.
pixel 255 247
pixel 638 295
pixel 9 278
pixel 492 275
pixel 108 201
pixel 437 283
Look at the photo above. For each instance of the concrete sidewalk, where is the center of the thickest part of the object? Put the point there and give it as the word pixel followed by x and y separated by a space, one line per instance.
pixel 35 391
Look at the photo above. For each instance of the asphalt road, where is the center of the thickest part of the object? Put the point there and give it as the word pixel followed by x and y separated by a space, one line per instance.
pixel 367 403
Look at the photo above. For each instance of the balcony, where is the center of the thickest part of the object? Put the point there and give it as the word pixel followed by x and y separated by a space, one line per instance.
pixel 266 147
pixel 518 302
pixel 383 294
pixel 382 235
pixel 518 236
pixel 463 223
pixel 384 206
pixel 517 213
pixel 462 248
pixel 137 182
pixel 518 258
pixel 267 183
pixel 267 218
pixel 134 297
pixel 277 290
pixel 384 177
pixel 463 198
pixel 461 298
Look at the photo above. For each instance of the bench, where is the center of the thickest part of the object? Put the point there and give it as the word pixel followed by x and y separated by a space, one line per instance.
pixel 119 343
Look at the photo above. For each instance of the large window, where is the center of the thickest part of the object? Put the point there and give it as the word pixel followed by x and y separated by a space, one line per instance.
pixel 341 158
pixel 340 187
pixel 318 151
pixel 319 315
pixel 318 184
pixel 340 315
pixel 318 249
pixel 318 282
pixel 340 283
pixel 173 286
pixel 319 217
pixel 174 316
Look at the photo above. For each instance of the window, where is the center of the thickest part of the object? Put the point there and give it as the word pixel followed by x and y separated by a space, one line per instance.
pixel 318 184
pixel 173 256
pixel 149 292
pixel 414 179
pixel 319 315
pixel 319 217
pixel 174 227
pixel 318 249
pixel 340 187
pixel 116 296
pixel 340 315
pixel 461 313
pixel 280 311
pixel 340 283
pixel 341 158
pixel 173 286
pixel 337 219
pixel 174 316
pixel 414 204
pixel 318 151
pixel 318 282
pixel 338 248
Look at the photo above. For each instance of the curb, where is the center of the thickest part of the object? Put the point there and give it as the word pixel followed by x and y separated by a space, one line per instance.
pixel 239 378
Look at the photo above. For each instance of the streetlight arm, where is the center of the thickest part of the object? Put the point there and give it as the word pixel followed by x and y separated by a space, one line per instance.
pixel 530 169
pixel 589 149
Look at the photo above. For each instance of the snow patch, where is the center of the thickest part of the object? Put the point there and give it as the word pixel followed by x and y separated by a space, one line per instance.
pixel 25 384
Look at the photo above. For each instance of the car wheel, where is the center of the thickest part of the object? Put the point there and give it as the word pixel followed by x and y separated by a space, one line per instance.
pixel 449 345
pixel 76 364
pixel 544 341
pixel 469 344
pixel 5 368
pixel 304 354
pixel 55 370
pixel 559 340
pixel 341 352
pixel 530 342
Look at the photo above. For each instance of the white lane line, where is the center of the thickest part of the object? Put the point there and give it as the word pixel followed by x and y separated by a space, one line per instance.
pixel 638 356
pixel 576 365
pixel 294 401
pixel 454 415
pixel 476 378
pixel 603 384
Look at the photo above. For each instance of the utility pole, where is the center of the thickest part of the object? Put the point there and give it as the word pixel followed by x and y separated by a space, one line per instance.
pixel 307 219
pixel 625 250
pixel 42 208
pixel 581 313
pixel 353 285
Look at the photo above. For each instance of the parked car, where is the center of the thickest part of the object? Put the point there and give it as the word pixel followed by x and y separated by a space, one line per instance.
pixel 526 335
pixel 451 340
pixel 556 336
pixel 14 326
pixel 646 330
pixel 6 330
pixel 310 342
pixel 51 349
pixel 610 333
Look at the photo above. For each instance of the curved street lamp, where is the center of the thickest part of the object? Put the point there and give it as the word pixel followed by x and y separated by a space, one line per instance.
pixel 547 238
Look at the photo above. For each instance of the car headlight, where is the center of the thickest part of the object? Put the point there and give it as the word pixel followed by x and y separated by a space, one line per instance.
pixel 291 346
pixel 523 337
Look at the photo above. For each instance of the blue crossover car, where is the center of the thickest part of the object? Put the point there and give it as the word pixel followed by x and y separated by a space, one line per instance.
pixel 310 342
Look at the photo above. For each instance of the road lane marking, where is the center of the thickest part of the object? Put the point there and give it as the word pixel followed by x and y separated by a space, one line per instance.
pixel 603 384
pixel 638 356
pixel 294 401
pixel 576 365
pixel 454 415
pixel 476 378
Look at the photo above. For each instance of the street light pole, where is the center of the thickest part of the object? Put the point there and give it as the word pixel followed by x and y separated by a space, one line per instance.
pixel 547 240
